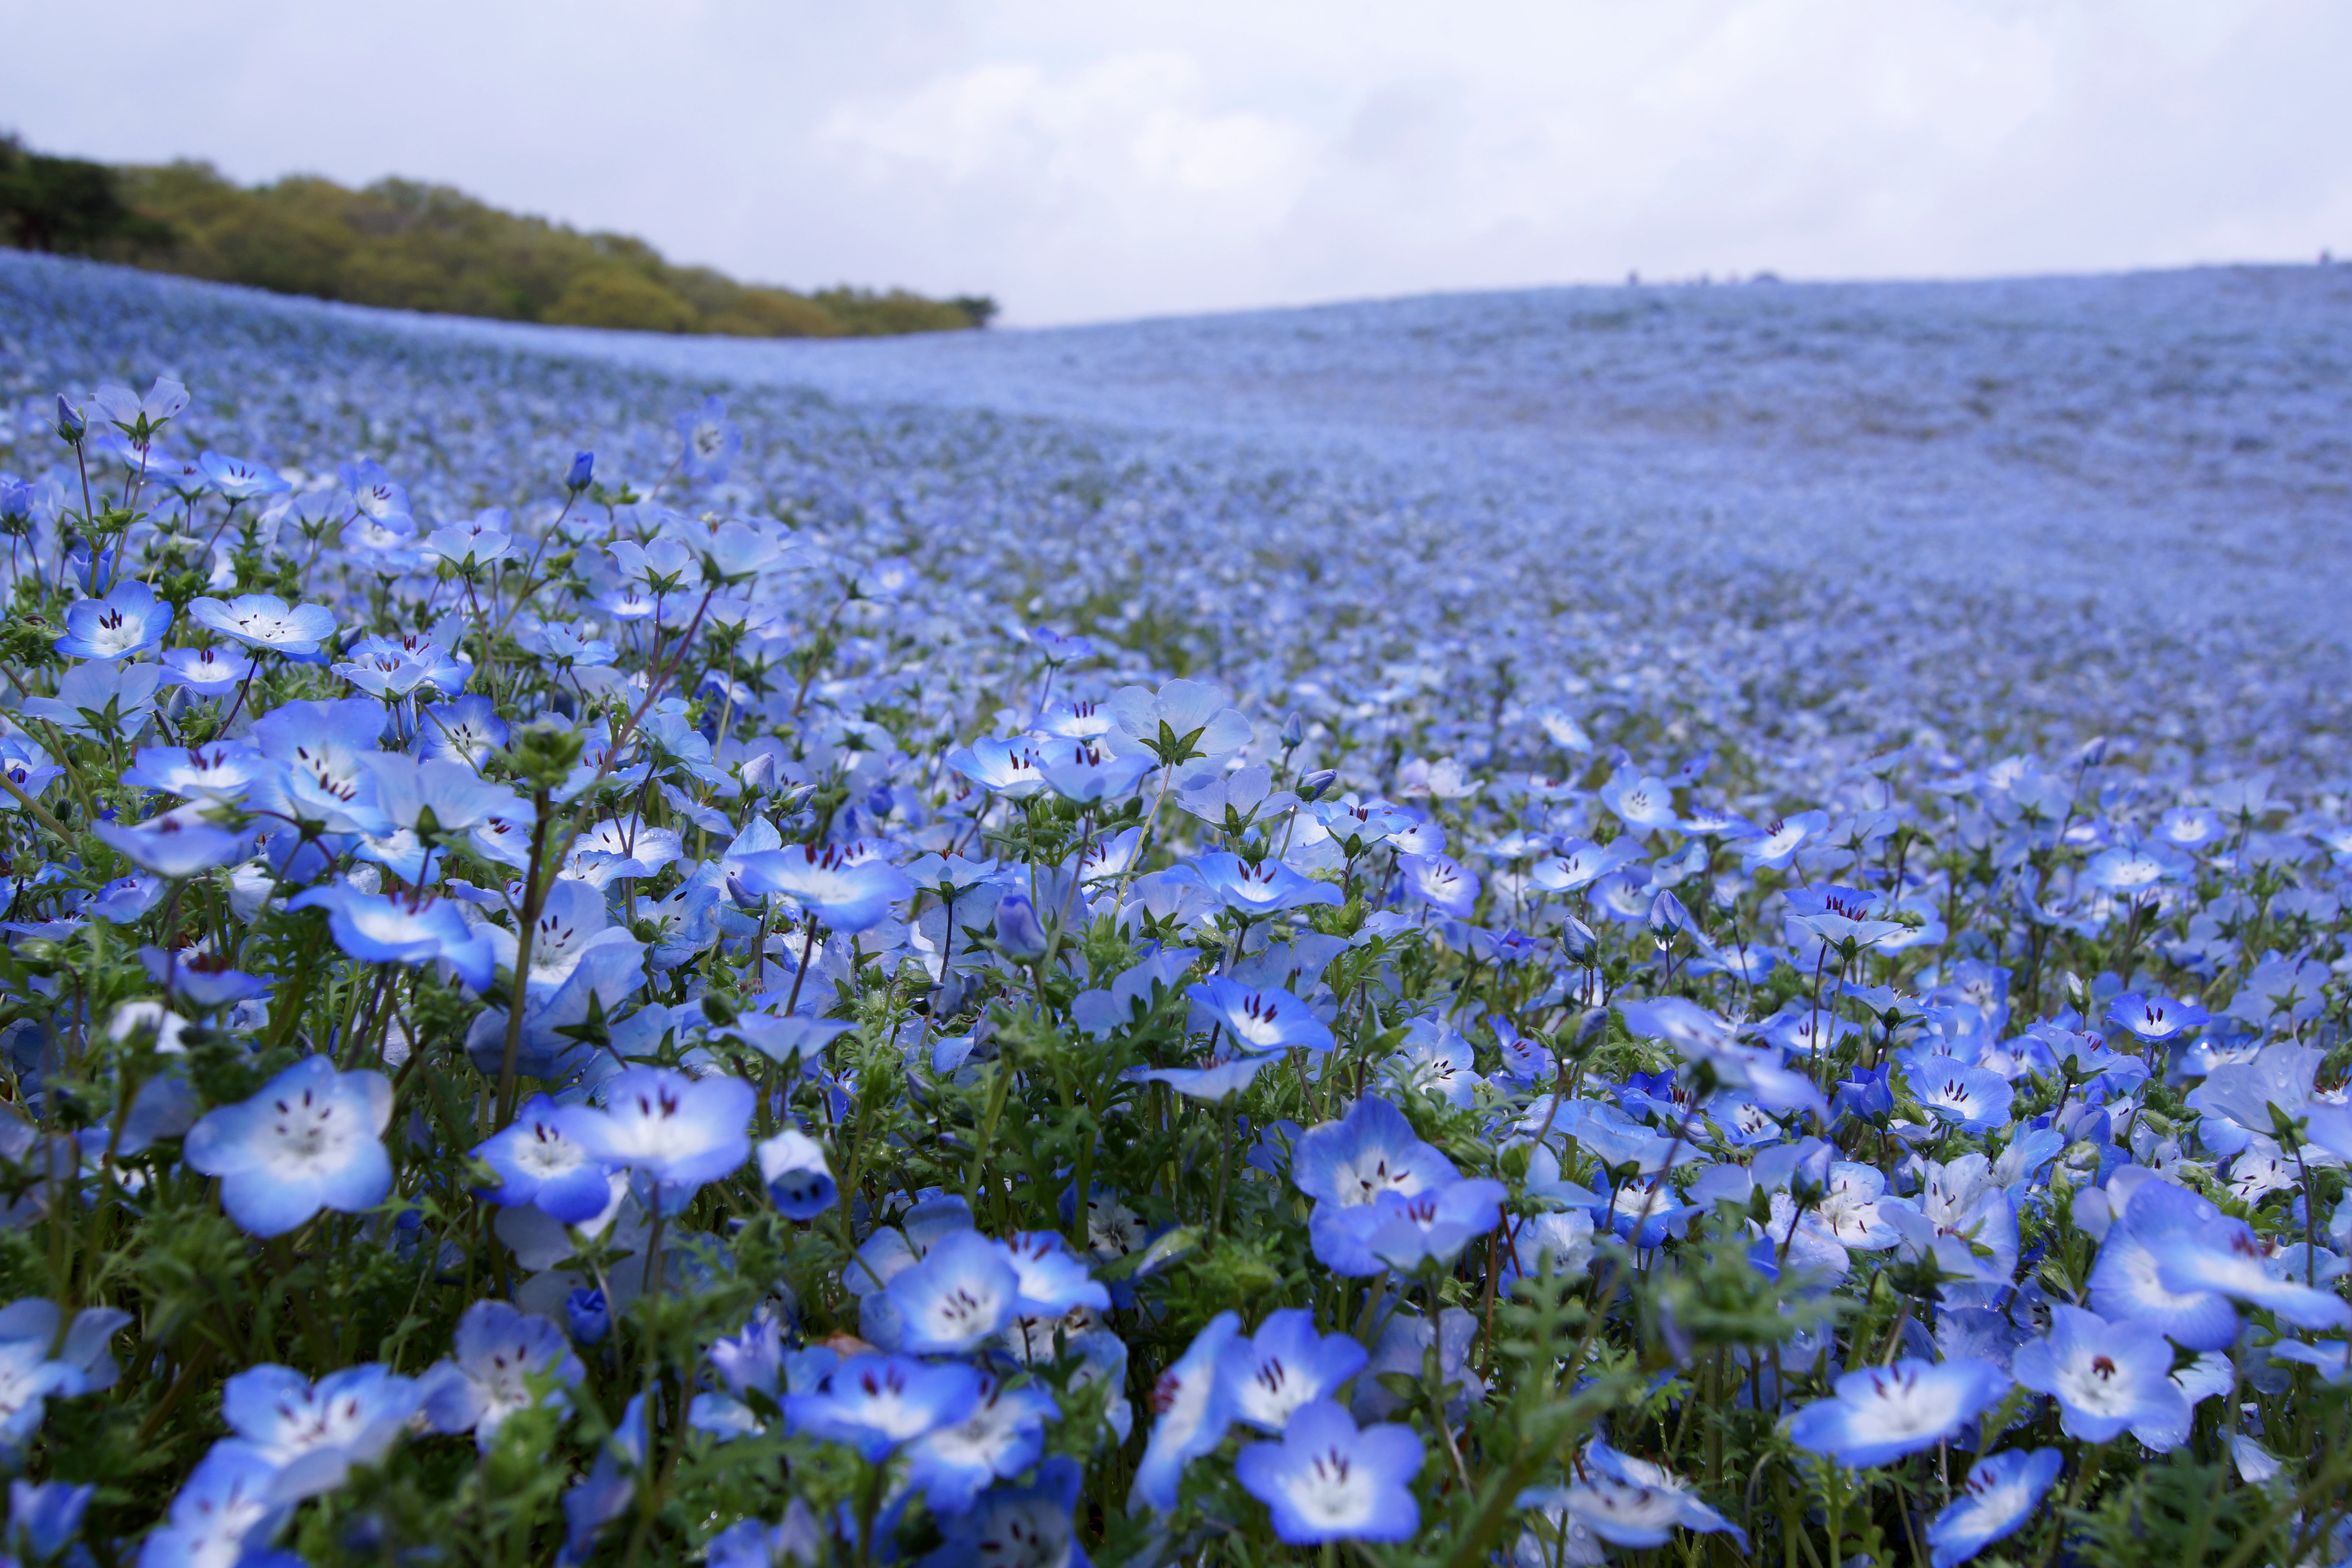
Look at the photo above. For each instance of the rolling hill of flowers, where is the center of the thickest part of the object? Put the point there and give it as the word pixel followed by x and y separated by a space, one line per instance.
pixel 1669 925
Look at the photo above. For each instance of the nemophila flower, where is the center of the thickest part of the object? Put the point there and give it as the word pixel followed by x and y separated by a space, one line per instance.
pixel 179 843
pixel 410 928
pixel 2156 1019
pixel 1973 1098
pixel 199 977
pixel 2105 1377
pixel 124 900
pixel 797 1175
pixel 28 766
pixel 1052 1281
pixel 207 672
pixel 99 697
pixel 1632 1503
pixel 1031 1526
pixel 1269 1375
pixel 1019 934
pixel 961 1295
pixel 466 730
pixel 1579 864
pixel 226 1511
pixel 481 541
pixel 1371 1150
pixel 139 418
pixel 1400 1231
pixel 1776 848
pixel 1086 775
pixel 1191 1412
pixel 2002 1492
pixel 1184 719
pixel 1641 803
pixel 712 441
pixel 311 1138
pixel 1266 887
pixel 220 771
pixel 537 1162
pixel 1213 1081
pixel 44 1520
pixel 2228 1258
pixel 129 623
pixel 1266 1018
pixel 875 1403
pixel 848 895
pixel 682 1132
pixel 2135 869
pixel 799 1540
pixel 2127 1281
pixel 322 782
pixel 236 478
pixel 1013 768
pixel 1839 916
pixel 1002 1437
pixel 266 621
pixel 314 1433
pixel 1440 882
pixel 495 1354
pixel 29 1378
pixel 1329 1481
pixel 1879 1414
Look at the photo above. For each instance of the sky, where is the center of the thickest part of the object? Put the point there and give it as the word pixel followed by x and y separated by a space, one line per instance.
pixel 1088 160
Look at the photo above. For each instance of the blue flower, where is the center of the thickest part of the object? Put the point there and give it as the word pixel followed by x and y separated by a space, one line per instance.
pixel 588 1315
pixel 1397 1231
pixel 712 441
pixel 1215 1081
pixel 1052 1281
pixel 848 895
pixel 540 1165
pixel 413 928
pixel 1269 1375
pixel 2229 1259
pixel 2001 1492
pixel 1329 1481
pixel 228 1507
pixel 957 1299
pixel 314 1433
pixel 28 1377
pixel 44 1520
pixel 1975 1100
pixel 797 1175
pixel 180 843
pixel 237 479
pixel 1641 802
pixel 1193 1412
pixel 2126 1282
pixel 747 1544
pixel 1632 1503
pixel 204 980
pixel 1441 882
pixel 1374 1150
pixel 1002 1436
pixel 2105 1377
pixel 2156 1018
pixel 129 622
pixel 205 671
pixel 467 731
pixel 222 771
pixel 1879 1414
pixel 495 1354
pixel 1266 887
pixel 875 1403
pixel 312 1139
pixel 1029 1525
pixel 266 621
pixel 682 1132
pixel 1019 933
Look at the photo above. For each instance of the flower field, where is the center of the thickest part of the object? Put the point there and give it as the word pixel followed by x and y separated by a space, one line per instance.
pixel 1677 926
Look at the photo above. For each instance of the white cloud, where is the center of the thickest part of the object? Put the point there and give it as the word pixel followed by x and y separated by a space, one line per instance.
pixel 1082 161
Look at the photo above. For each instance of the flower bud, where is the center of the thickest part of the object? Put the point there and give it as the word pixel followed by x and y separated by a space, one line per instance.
pixel 1019 933
pixel 583 469
pixel 1311 787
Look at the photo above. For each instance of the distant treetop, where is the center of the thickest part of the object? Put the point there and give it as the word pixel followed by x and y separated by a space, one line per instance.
pixel 411 245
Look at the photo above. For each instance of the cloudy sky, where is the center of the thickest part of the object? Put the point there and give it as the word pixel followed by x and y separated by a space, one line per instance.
pixel 1090 159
